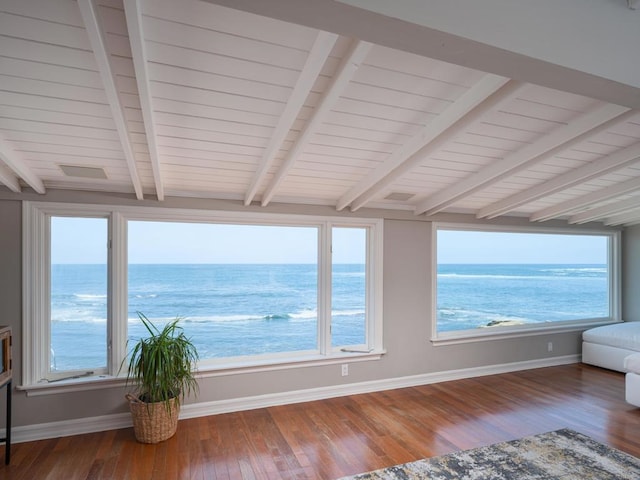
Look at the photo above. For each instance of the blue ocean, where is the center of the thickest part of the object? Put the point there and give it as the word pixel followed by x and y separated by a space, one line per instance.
pixel 472 296
pixel 227 309
pixel 230 309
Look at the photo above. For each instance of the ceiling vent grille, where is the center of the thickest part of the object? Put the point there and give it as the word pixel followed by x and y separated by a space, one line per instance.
pixel 84 172
pixel 399 196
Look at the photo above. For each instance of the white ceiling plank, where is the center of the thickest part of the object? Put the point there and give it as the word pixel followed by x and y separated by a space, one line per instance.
pixel 15 162
pixel 315 61
pixel 489 91
pixel 600 167
pixel 96 37
pixel 349 65
pixel 617 208
pixel 513 163
pixel 133 15
pixel 571 178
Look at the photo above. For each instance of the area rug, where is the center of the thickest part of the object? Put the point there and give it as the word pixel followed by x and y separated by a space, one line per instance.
pixel 563 454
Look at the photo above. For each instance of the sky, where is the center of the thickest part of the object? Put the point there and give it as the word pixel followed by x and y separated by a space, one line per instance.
pixel 84 241
pixel 504 247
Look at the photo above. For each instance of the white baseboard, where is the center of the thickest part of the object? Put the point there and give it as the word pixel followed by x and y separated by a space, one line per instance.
pixel 123 420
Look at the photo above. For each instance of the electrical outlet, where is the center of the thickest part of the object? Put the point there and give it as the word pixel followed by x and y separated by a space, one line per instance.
pixel 345 369
pixel 550 347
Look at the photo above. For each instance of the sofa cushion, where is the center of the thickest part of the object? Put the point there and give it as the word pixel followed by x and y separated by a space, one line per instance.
pixel 621 335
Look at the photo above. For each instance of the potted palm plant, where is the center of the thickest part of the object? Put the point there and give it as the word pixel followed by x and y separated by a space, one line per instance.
pixel 161 368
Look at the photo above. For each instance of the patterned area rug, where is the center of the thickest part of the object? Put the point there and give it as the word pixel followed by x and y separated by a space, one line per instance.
pixel 563 454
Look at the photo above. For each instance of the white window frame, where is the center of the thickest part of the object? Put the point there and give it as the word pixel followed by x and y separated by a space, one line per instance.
pixel 509 331
pixel 36 287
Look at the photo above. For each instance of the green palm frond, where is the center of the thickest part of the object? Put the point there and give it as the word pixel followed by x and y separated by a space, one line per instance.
pixel 161 365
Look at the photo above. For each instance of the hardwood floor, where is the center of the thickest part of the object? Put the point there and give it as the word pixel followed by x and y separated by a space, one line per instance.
pixel 331 438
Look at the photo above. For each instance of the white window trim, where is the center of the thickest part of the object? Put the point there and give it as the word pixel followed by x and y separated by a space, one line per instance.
pixel 479 335
pixel 36 287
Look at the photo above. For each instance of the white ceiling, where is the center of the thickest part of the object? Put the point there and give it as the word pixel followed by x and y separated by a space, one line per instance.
pixel 194 99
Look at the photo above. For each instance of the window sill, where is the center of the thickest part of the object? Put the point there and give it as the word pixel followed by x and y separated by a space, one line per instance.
pixel 215 369
pixel 209 369
pixel 498 333
pixel 96 382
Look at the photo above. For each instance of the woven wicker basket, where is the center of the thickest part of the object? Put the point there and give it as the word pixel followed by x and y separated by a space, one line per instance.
pixel 153 422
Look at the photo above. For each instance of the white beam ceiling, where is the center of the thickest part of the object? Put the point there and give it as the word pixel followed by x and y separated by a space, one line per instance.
pixel 15 162
pixel 608 210
pixel 341 107
pixel 560 182
pixel 518 160
pixel 610 163
pixel 482 97
pixel 96 38
pixel 133 13
pixel 629 218
pixel 400 30
pixel 315 61
pixel 7 177
pixel 349 65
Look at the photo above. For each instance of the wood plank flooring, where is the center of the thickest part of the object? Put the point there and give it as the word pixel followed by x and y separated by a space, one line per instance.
pixel 331 438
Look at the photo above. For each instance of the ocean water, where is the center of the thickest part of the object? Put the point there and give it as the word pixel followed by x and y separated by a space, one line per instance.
pixel 229 310
pixel 472 296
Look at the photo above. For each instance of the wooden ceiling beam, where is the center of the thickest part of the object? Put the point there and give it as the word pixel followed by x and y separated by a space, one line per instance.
pixel 518 160
pixel 133 13
pixel 561 182
pixel 315 61
pixel 617 208
pixel 19 166
pixel 597 168
pixel 7 177
pixel 348 67
pixel 629 218
pixel 479 99
pixel 98 45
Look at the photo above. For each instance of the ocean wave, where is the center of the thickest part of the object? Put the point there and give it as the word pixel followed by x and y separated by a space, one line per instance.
pixel 488 275
pixel 304 314
pixel 76 319
pixel 89 296
pixel 301 315
pixel 347 313
pixel 454 314
pixel 558 276
pixel 577 269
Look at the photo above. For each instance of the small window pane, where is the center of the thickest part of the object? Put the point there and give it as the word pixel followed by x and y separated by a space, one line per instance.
pixel 241 289
pixel 348 288
pixel 78 294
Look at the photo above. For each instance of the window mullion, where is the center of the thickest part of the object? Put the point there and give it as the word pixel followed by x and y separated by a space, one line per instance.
pixel 118 293
pixel 324 289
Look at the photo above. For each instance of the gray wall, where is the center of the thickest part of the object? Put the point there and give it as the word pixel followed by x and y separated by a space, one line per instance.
pixel 631 274
pixel 407 319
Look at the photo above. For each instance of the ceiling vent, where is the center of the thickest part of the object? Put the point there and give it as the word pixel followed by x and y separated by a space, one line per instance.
pixel 84 172
pixel 399 196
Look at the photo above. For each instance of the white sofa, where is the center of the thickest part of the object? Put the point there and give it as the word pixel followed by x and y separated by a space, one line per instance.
pixel 616 347
pixel 609 345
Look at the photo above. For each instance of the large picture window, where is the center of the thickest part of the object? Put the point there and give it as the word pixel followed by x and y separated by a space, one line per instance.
pixel 242 289
pixel 251 290
pixel 489 281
